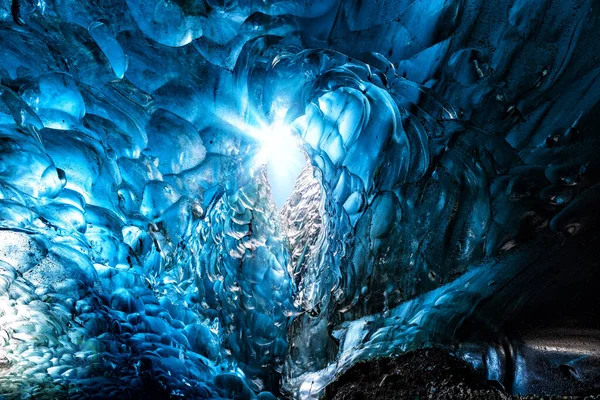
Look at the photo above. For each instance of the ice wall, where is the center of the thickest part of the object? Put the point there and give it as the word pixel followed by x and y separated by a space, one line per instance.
pixel 452 150
pixel 126 214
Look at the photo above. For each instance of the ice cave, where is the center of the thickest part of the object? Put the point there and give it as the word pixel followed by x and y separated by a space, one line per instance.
pixel 299 199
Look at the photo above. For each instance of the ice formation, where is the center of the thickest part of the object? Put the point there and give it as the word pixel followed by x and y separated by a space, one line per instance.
pixel 446 174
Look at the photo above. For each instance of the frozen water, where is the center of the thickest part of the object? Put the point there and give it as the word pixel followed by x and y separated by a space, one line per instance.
pixel 238 199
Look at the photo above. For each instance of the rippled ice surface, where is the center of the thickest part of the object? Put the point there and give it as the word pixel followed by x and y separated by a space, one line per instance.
pixel 451 152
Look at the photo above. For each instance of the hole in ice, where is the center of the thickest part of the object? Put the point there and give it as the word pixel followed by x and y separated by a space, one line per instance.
pixel 282 153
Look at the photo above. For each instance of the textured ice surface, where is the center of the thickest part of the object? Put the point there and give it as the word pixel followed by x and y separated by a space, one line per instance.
pixel 452 151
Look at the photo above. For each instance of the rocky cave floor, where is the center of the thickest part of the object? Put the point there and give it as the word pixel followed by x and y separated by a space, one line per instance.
pixel 419 375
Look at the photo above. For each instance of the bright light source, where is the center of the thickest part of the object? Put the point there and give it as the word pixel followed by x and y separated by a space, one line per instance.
pixel 278 143
pixel 284 158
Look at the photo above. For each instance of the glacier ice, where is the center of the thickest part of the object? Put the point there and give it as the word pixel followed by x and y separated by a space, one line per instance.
pixel 159 238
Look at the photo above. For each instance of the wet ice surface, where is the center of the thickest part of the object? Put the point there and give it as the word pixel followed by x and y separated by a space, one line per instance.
pixel 453 150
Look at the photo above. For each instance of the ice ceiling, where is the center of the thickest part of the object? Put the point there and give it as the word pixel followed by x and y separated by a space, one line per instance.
pixel 230 199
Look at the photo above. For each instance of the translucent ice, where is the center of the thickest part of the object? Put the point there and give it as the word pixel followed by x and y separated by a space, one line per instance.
pixel 160 236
